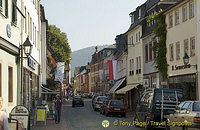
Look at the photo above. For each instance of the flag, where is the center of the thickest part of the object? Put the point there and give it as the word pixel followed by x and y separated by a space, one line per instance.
pixel 60 71
pixel 82 78
pixel 110 69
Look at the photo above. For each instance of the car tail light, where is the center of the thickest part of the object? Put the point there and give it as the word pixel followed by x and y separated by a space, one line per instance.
pixel 151 115
pixel 196 119
pixel 97 103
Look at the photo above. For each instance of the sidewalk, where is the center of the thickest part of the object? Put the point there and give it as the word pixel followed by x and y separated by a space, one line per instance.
pixel 51 125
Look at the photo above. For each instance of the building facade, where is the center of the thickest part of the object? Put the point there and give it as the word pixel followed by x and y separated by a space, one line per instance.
pixel 10 41
pixel 182 40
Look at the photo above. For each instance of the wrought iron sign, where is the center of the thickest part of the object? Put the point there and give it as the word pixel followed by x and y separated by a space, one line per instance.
pixel 181 67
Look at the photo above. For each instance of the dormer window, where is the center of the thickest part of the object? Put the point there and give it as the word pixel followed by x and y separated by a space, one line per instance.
pixel 132 18
pixel 139 16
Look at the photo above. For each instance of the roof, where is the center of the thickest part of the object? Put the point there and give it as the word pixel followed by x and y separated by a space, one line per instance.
pixel 174 5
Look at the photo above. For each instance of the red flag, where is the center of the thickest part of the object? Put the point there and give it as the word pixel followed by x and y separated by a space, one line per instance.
pixel 110 69
pixel 81 78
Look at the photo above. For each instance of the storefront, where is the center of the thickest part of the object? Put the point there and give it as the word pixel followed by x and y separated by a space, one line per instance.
pixel 187 83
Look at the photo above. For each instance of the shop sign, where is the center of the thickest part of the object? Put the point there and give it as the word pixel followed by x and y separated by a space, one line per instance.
pixel 31 63
pixel 175 67
pixel 21 114
pixel 41 114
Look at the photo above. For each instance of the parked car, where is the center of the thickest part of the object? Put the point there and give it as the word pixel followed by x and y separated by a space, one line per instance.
pixel 98 101
pixel 104 106
pixel 77 101
pixel 94 98
pixel 115 107
pixel 89 95
pixel 187 111
pixel 155 104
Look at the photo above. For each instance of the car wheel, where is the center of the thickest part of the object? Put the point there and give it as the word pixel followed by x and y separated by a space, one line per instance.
pixel 73 106
pixel 106 114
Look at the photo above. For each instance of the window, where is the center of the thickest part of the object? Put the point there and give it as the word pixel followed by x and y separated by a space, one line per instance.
pixel 28 24
pixel 132 19
pixel 154 52
pixel 131 71
pixel 10 84
pixel 139 66
pixel 177 17
pixel 177 50
pixel 31 29
pixel 170 20
pixel 184 13
pixel 171 54
pixel 191 9
pixel 14 12
pixel 186 46
pixel 146 53
pixel 139 35
pixel 139 16
pixel 25 20
pixel 33 33
pixel 150 51
pixel 136 37
pixel 192 46
pixel 4 7
pixel 0 82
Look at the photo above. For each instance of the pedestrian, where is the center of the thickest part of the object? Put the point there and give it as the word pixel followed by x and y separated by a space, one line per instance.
pixel 58 107
pixel 67 95
pixel 3 118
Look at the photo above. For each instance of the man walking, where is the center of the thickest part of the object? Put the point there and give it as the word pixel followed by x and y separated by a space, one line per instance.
pixel 58 107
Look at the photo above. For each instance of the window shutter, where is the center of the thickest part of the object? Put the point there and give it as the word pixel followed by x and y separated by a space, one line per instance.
pixel 6 8
pixel 14 12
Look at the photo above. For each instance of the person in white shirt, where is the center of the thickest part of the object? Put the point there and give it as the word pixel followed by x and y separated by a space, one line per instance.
pixel 3 118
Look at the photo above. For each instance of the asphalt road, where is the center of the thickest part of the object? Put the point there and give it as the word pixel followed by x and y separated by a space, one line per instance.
pixel 85 118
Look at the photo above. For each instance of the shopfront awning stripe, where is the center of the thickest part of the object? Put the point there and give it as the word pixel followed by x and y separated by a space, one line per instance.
pixel 116 85
pixel 126 89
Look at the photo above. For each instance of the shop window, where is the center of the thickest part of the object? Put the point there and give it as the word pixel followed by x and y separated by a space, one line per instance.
pixel 192 46
pixel 184 13
pixel 177 50
pixel 176 17
pixel 10 84
pixel 191 9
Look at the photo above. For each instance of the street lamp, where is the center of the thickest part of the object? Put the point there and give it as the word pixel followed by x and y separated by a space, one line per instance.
pixel 186 59
pixel 27 46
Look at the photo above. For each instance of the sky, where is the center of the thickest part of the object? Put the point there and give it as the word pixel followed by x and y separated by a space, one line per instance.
pixel 90 22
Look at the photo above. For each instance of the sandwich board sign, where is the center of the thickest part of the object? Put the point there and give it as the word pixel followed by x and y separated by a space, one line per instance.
pixel 21 114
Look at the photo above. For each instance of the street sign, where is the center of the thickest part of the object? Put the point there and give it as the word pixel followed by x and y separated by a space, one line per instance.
pixel 21 114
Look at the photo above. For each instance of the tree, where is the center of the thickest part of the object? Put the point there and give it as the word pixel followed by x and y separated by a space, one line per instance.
pixel 59 43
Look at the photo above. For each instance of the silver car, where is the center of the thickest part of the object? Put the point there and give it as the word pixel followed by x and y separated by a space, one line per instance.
pixel 98 101
pixel 187 115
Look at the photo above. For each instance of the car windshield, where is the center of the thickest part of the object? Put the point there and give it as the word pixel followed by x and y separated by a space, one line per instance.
pixel 117 103
pixel 101 99
pixel 77 99
pixel 196 106
pixel 168 96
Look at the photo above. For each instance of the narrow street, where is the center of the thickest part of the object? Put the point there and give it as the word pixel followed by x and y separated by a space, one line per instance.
pixel 85 118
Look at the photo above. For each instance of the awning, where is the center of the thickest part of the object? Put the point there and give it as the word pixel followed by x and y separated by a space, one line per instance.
pixel 116 85
pixel 48 91
pixel 126 89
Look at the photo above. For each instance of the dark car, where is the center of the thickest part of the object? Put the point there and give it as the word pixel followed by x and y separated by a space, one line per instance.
pixel 155 104
pixel 89 95
pixel 103 107
pixel 77 101
pixel 115 107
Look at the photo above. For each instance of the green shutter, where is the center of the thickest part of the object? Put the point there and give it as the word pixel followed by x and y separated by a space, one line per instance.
pixel 0 5
pixel 14 12
pixel 6 8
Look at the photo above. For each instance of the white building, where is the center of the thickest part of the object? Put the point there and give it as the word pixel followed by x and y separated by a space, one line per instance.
pixel 31 27
pixel 10 40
